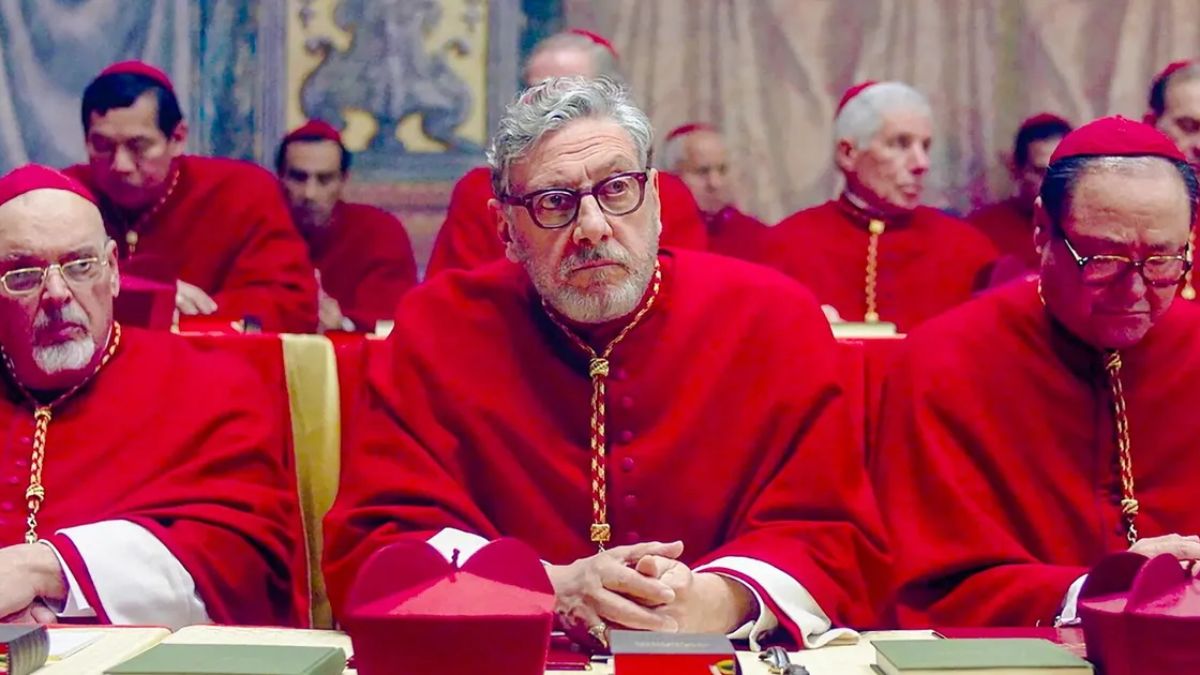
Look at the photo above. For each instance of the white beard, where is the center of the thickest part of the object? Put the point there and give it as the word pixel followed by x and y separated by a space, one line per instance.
pixel 65 356
pixel 602 301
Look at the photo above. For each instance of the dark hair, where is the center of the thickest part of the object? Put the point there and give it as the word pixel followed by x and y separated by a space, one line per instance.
pixel 1037 131
pixel 1158 91
pixel 281 154
pixel 1061 177
pixel 121 90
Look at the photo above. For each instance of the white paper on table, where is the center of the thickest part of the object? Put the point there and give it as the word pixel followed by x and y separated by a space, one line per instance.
pixel 64 643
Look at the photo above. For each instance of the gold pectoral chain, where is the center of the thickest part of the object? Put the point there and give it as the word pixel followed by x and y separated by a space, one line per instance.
pixel 131 235
pixel 1129 502
pixel 600 532
pixel 43 414
pixel 876 228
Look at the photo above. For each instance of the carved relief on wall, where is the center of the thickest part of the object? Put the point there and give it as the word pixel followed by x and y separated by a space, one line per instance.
pixel 405 80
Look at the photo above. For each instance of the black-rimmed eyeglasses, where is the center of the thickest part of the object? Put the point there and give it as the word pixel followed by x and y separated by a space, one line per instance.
pixel 1158 270
pixel 552 208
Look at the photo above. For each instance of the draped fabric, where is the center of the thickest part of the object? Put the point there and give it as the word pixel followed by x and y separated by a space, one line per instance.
pixel 51 49
pixel 770 73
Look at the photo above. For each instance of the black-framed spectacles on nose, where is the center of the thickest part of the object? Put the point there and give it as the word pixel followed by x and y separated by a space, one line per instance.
pixel 1161 271
pixel 552 208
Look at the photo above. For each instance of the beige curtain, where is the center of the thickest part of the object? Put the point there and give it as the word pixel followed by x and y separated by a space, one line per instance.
pixel 770 72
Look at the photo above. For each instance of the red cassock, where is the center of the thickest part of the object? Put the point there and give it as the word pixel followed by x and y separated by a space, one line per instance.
pixel 727 430
pixel 366 262
pixel 468 237
pixel 997 467
pixel 1010 227
pixel 737 234
pixel 928 262
pixel 225 229
pixel 177 442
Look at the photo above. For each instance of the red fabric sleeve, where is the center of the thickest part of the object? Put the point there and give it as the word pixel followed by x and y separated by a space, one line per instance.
pixel 682 225
pixel 813 514
pixel 959 559
pixel 468 237
pixel 391 270
pixel 399 480
pixel 271 276
pixel 83 577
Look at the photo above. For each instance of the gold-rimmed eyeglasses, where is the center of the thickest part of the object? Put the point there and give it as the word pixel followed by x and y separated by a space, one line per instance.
pixel 28 280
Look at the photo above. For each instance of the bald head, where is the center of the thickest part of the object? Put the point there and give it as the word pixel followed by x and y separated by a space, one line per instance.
pixel 701 159
pixel 48 215
pixel 59 274
pixel 569 54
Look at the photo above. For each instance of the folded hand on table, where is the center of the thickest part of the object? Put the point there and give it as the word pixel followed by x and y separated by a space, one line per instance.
pixel 28 574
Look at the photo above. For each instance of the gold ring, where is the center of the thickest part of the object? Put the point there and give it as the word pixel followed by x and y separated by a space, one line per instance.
pixel 600 633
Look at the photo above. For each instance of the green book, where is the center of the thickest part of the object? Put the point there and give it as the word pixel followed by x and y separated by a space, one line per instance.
pixel 990 656
pixel 174 659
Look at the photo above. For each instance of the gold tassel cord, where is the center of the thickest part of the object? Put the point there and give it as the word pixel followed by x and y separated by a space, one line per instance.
pixel 876 228
pixel 600 532
pixel 1129 502
pixel 43 414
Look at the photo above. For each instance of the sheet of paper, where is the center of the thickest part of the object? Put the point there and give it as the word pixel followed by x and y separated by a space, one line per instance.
pixel 64 643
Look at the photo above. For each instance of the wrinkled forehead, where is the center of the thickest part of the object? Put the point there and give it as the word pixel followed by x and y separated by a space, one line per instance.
pixel 1130 199
pixel 49 222
pixel 705 147
pixel 905 120
pixel 314 156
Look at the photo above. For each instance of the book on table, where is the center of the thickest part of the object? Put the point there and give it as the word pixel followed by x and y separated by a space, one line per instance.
pixel 983 656
pixel 212 659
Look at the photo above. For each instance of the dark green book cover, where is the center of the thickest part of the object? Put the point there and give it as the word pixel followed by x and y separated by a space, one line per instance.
pixel 977 654
pixel 234 660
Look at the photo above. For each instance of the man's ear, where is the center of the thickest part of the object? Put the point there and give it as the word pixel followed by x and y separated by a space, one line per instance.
pixel 500 217
pixel 110 255
pixel 845 154
pixel 653 186
pixel 1041 226
pixel 177 141
pixel 1150 118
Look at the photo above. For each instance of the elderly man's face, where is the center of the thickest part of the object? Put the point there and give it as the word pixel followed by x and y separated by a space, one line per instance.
pixel 55 333
pixel 312 180
pixel 129 156
pixel 889 171
pixel 1181 117
pixel 598 267
pixel 1137 210
pixel 704 166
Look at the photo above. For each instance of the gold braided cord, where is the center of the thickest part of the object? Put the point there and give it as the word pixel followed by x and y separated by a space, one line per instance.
pixel 598 367
pixel 1188 292
pixel 876 228
pixel 1129 502
pixel 35 494
pixel 131 235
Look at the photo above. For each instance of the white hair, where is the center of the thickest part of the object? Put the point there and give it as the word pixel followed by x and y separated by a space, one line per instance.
pixel 73 354
pixel 551 105
pixel 862 117
pixel 604 64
